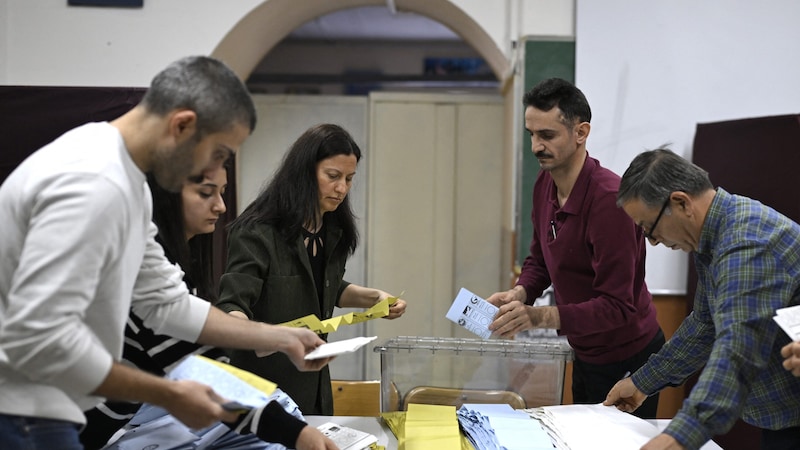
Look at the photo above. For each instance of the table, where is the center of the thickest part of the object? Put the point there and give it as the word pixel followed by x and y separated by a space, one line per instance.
pixel 374 425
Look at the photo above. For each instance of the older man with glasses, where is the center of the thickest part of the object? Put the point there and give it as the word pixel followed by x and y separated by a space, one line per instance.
pixel 747 257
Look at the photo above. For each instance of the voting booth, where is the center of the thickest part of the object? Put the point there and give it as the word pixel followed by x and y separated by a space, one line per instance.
pixel 453 371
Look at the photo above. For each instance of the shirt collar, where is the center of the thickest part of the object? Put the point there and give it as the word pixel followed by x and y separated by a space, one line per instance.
pixel 581 187
pixel 712 224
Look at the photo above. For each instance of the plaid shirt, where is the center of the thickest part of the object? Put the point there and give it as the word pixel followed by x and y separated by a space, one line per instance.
pixel 748 265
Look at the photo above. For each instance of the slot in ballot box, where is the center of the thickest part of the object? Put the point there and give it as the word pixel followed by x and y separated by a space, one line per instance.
pixel 453 371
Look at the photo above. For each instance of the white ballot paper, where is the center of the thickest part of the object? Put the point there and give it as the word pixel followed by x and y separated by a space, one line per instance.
pixel 789 320
pixel 339 347
pixel 596 427
pixel 472 312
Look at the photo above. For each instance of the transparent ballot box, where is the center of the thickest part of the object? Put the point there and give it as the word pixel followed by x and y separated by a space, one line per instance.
pixel 453 371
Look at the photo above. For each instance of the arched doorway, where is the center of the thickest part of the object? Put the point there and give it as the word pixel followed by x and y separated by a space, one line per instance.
pixel 266 25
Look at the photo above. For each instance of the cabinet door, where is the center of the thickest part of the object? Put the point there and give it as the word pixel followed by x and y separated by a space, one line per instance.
pixel 434 207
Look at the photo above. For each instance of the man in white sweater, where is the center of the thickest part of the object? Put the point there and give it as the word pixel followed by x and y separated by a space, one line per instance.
pixel 77 251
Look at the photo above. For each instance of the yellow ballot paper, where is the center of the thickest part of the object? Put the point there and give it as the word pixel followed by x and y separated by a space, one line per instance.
pixel 312 322
pixel 262 384
pixel 396 421
pixel 431 427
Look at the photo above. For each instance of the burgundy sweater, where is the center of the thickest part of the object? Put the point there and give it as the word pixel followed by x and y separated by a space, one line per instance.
pixel 596 264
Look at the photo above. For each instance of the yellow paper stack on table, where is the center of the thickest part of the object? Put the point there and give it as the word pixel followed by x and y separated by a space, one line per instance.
pixel 430 427
pixel 396 421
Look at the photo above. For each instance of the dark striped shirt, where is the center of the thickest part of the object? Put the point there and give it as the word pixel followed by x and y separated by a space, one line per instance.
pixel 158 354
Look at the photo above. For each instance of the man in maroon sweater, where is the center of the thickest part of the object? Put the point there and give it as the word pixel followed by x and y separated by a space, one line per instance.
pixel 587 248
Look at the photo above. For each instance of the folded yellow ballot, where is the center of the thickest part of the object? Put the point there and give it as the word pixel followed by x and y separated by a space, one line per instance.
pixel 312 322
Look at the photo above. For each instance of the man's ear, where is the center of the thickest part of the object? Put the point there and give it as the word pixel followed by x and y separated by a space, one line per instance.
pixel 682 202
pixel 582 132
pixel 182 125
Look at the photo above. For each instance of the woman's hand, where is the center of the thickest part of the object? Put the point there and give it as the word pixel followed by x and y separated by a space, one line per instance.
pixel 396 309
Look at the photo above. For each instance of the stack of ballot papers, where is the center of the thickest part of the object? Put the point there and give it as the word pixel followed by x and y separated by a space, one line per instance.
pixel 152 427
pixel 596 427
pixel 430 427
pixel 499 426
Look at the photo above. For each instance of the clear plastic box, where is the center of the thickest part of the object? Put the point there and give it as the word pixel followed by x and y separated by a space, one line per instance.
pixel 452 371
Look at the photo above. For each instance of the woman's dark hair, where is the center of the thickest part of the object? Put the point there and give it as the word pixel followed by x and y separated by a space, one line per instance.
pixel 291 199
pixel 195 256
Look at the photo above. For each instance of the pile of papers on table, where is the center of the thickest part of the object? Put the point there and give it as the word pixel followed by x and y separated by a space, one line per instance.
pixel 499 426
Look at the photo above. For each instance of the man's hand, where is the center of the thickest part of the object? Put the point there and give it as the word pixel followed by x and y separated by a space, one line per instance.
pixel 515 316
pixel 625 396
pixel 196 405
pixel 298 342
pixel 502 298
pixel 511 319
pixel 791 353
pixel 311 438
pixel 231 330
pixel 663 442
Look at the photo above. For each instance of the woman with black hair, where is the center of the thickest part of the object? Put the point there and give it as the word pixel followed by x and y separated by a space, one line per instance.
pixel 186 221
pixel 287 253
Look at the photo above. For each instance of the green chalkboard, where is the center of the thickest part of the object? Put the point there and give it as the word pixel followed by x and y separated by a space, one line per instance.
pixel 544 58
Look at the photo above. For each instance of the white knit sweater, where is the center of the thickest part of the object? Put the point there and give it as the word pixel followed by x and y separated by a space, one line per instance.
pixel 77 250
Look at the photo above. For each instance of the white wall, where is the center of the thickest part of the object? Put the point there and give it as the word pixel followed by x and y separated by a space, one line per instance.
pixel 50 43
pixel 3 39
pixel 46 42
pixel 663 67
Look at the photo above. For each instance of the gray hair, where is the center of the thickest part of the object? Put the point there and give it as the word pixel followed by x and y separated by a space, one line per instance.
pixel 655 174
pixel 206 86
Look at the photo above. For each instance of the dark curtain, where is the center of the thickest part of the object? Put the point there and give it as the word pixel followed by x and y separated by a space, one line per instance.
pixel 757 158
pixel 32 116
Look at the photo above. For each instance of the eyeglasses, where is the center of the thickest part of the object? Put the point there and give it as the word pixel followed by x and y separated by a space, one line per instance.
pixel 649 233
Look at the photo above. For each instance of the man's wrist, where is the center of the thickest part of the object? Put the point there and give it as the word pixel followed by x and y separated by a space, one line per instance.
pixel 520 294
pixel 276 337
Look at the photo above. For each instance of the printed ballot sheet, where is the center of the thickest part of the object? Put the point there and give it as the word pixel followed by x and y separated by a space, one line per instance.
pixel 228 381
pixel 789 320
pixel 472 312
pixel 339 347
